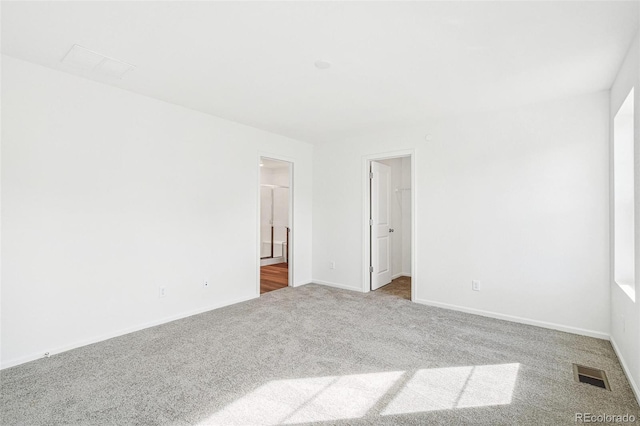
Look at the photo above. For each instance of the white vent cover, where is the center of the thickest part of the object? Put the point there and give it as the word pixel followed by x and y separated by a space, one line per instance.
pixel 88 60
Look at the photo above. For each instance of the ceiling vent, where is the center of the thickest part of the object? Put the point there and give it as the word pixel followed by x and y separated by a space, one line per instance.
pixel 82 58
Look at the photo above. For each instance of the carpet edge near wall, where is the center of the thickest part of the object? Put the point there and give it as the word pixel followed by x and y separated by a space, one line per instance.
pixel 634 386
pixel 520 320
pixel 336 285
pixel 14 362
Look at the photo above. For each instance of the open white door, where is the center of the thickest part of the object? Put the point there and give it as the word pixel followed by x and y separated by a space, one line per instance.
pixel 380 178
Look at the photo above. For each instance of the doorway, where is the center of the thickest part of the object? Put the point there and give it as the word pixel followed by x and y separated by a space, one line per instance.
pixel 390 240
pixel 275 224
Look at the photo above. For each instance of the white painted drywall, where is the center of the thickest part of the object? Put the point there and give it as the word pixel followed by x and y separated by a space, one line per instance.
pixel 394 62
pixel 517 199
pixel 623 184
pixel 109 195
pixel 625 311
pixel 275 175
pixel 266 214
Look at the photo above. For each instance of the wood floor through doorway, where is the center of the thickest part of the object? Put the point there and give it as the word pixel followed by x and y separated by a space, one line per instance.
pixel 274 277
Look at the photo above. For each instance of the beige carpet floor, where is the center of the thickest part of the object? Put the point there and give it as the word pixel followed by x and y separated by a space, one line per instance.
pixel 400 287
pixel 319 355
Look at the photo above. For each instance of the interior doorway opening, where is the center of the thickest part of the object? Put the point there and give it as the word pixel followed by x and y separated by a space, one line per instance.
pixel 391 226
pixel 275 224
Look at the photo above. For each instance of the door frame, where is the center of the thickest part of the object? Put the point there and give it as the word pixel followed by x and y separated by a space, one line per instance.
pixel 366 207
pixel 291 161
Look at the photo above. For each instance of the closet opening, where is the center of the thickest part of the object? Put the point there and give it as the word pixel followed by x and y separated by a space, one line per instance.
pixel 389 242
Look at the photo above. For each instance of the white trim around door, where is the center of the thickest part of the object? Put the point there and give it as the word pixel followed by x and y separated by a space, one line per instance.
pixel 366 205
pixel 291 246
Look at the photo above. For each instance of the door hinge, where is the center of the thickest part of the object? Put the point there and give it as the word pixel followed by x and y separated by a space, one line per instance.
pixel 370 268
pixel 370 222
pixel 370 175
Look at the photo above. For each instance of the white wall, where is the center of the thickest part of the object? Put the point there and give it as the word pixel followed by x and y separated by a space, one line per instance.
pixel 278 176
pixel 517 199
pixel 108 195
pixel 623 196
pixel 625 311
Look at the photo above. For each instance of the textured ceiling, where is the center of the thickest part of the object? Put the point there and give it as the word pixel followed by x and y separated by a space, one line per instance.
pixel 393 63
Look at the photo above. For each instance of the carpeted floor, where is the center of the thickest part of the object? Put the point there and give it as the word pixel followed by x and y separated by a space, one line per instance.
pixel 316 354
pixel 400 287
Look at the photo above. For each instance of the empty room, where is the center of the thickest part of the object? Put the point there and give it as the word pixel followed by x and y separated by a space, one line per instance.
pixel 329 212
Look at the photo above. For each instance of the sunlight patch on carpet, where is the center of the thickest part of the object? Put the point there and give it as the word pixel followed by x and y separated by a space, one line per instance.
pixel 310 399
pixel 330 398
pixel 455 387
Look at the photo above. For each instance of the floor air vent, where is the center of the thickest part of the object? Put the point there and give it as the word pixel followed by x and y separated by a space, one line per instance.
pixel 591 376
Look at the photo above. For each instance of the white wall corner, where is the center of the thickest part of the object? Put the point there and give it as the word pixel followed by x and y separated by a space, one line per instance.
pixel 634 386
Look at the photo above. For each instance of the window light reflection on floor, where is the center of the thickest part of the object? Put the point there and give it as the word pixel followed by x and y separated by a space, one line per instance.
pixel 455 387
pixel 315 399
pixel 307 400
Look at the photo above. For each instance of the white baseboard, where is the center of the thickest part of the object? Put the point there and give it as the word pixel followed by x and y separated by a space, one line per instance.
pixel 401 274
pixel 521 320
pixel 336 285
pixel 627 372
pixel 271 261
pixel 64 348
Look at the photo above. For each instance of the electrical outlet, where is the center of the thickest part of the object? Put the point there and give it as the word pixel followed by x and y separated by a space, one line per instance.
pixel 475 285
pixel 205 284
pixel 332 265
pixel 162 292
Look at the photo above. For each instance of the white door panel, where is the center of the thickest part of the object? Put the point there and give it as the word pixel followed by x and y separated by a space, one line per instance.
pixel 380 240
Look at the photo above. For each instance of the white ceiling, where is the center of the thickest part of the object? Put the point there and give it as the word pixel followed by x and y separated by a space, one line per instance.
pixel 393 63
